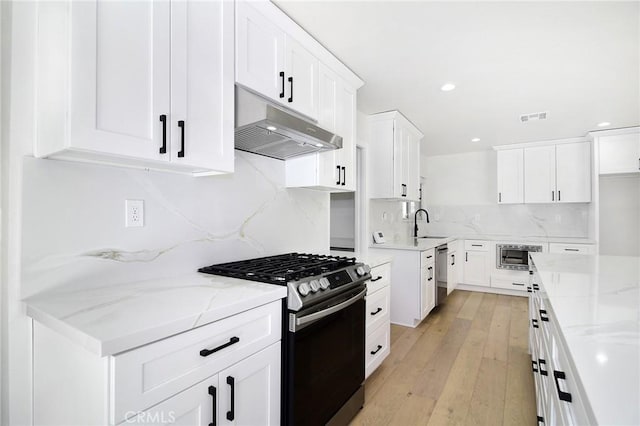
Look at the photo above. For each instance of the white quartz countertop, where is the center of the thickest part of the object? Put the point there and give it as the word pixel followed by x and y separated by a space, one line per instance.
pixel 422 244
pixel 371 258
pixel 113 319
pixel 596 303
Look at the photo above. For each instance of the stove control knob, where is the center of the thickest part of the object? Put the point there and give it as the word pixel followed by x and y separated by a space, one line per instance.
pixel 362 270
pixel 303 289
pixel 315 285
pixel 324 283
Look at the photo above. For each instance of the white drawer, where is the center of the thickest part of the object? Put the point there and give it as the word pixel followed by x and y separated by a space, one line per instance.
pixel 572 248
pixel 380 277
pixel 376 348
pixel 511 284
pixel 147 375
pixel 427 257
pixel 476 245
pixel 377 308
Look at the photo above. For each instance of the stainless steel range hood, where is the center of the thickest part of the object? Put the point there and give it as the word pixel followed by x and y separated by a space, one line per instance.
pixel 266 130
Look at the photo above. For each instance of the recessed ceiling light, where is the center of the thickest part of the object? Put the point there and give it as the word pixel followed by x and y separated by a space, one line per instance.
pixel 604 124
pixel 475 140
pixel 271 128
pixel 447 87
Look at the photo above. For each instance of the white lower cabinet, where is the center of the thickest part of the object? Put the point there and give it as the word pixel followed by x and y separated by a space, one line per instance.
pixel 427 283
pixel 378 326
pixel 559 248
pixel 229 369
pixel 477 263
pixel 243 394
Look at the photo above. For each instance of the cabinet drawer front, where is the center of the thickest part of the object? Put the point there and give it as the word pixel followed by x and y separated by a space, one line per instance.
pixel 476 245
pixel 376 348
pixel 427 257
pixel 377 309
pixel 380 277
pixel 511 284
pixel 571 248
pixel 147 375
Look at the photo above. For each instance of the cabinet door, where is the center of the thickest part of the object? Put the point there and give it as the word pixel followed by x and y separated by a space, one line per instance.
pixel 346 127
pixel 328 173
pixel 413 166
pixel 120 68
pixel 250 390
pixel 540 174
pixel 202 97
pixel 573 172
pixel 259 53
pixel 452 271
pixel 510 176
pixel 620 154
pixel 427 289
pixel 400 160
pixel 301 70
pixel 476 268
pixel 195 406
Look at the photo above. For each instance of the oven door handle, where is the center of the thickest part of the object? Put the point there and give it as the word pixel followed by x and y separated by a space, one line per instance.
pixel 326 312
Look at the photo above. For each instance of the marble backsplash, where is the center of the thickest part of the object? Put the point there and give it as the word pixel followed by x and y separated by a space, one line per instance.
pixel 517 220
pixel 74 216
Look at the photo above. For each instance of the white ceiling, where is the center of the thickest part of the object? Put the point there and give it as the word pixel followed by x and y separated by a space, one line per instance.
pixel 578 60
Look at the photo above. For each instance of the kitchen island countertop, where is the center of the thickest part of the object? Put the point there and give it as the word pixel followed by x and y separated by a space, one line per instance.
pixel 595 301
pixel 112 319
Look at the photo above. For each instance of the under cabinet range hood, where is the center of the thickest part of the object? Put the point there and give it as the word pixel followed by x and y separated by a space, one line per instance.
pixel 264 129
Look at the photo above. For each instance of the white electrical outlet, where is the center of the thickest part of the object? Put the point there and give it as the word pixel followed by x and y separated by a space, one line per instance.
pixel 134 213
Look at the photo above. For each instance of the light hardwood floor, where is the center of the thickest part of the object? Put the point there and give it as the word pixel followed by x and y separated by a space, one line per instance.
pixel 465 364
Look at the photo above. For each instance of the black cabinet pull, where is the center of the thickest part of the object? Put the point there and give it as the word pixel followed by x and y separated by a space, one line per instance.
pixel 540 419
pixel 377 311
pixel 163 120
pixel 232 383
pixel 570 249
pixel 518 284
pixel 542 362
pixel 477 245
pixel 232 341
pixel 376 278
pixel 466 256
pixel 534 366
pixel 559 375
pixel 559 196
pixel 536 287
pixel 344 175
pixel 338 182
pixel 377 350
pixel 429 257
pixel 453 259
pixel 181 125
pixel 430 269
pixel 291 92
pixel 212 392
pixel 282 77
pixel 534 322
pixel 528 289
pixel 543 315
pixel 499 197
pixel 553 196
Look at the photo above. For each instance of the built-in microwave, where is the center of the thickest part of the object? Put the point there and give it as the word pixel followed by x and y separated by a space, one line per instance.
pixel 514 257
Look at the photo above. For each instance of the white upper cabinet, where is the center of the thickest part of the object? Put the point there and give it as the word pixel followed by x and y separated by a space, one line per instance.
pixel 394 157
pixel 619 153
pixel 301 69
pixel 116 79
pixel 540 174
pixel 510 176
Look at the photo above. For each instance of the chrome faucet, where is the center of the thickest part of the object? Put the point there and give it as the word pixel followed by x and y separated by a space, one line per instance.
pixel 415 221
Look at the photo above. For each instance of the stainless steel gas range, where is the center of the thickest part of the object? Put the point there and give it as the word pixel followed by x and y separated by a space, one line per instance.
pixel 324 332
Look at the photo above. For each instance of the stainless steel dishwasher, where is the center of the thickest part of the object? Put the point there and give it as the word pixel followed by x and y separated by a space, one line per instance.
pixel 441 273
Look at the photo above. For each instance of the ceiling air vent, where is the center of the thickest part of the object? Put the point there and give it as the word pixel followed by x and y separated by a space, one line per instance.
pixel 534 116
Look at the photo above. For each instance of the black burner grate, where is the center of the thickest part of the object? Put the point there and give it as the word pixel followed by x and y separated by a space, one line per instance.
pixel 280 269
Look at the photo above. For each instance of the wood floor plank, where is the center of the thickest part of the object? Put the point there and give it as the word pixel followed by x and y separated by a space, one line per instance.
pixel 415 410
pixel 470 307
pixel 519 405
pixel 519 324
pixel 497 346
pixel 487 403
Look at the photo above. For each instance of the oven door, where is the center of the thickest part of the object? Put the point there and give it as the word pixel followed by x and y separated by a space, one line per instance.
pixel 325 358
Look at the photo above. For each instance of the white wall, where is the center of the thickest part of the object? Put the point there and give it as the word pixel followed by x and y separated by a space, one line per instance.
pixel 342 220
pixel 63 223
pixel 620 215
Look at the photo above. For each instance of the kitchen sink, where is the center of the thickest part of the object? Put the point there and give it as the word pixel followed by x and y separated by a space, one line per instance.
pixel 431 237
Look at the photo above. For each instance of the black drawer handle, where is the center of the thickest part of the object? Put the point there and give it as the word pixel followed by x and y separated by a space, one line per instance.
pixel 377 311
pixel 232 341
pixel 518 284
pixel 232 383
pixel 570 249
pixel 529 289
pixel 376 278
pixel 282 77
pixel 534 366
pixel 534 322
pixel 542 362
pixel 476 245
pixel 540 420
pixel 291 92
pixel 453 259
pixel 543 315
pixel 559 375
pixel 429 257
pixel 181 125
pixel 536 287
pixel 163 120
pixel 212 392
pixel 377 350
